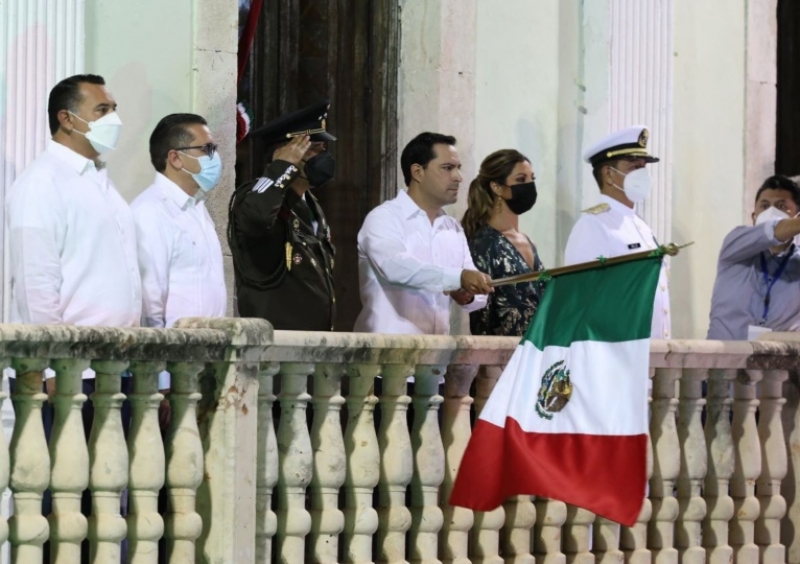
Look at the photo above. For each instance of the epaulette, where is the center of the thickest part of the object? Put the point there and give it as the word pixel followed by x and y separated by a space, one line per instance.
pixel 599 208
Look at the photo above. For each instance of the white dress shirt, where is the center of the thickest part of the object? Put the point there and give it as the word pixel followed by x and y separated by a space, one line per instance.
pixel 405 265
pixel 179 256
pixel 73 245
pixel 615 230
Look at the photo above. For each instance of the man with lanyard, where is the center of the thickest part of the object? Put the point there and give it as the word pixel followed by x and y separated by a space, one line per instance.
pixel 758 273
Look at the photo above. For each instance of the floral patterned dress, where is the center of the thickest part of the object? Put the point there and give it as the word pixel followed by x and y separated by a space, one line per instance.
pixel 510 308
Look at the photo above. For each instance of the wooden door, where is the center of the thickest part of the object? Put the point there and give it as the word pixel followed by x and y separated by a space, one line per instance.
pixel 348 51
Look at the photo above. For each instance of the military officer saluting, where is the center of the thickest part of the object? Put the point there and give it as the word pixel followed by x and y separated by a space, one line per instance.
pixel 612 228
pixel 281 244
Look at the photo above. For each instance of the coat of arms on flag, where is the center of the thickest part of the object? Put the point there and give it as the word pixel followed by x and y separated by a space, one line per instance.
pixel 568 418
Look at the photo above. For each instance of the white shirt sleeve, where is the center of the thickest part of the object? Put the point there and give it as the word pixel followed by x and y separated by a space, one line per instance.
pixel 154 245
pixel 480 300
pixel 36 233
pixel 380 240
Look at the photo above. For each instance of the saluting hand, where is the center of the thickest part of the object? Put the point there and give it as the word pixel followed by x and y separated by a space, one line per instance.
pixel 476 282
pixel 294 151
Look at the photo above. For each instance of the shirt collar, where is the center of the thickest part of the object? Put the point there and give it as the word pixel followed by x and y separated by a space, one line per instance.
pixel 409 207
pixel 174 193
pixel 616 205
pixel 78 163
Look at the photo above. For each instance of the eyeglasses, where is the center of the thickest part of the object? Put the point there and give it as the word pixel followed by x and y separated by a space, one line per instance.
pixel 209 148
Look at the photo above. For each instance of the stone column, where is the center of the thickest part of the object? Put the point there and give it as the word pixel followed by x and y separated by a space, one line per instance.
pixel 147 465
pixel 720 467
pixel 30 464
pixel 456 431
pixel 397 465
pixel 327 443
pixel 69 454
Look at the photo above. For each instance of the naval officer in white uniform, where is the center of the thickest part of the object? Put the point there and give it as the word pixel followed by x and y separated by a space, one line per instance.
pixel 612 228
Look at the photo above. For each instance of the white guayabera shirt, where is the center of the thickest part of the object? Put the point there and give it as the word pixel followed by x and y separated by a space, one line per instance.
pixel 405 264
pixel 73 245
pixel 180 257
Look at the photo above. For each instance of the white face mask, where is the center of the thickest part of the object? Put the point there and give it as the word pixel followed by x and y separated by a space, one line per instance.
pixel 637 185
pixel 771 213
pixel 103 133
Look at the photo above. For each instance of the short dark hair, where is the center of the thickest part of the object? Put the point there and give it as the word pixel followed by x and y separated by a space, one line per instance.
pixel 171 133
pixel 781 182
pixel 420 151
pixel 66 95
pixel 598 169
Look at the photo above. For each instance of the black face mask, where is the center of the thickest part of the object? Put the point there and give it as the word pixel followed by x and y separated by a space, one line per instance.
pixel 319 169
pixel 523 197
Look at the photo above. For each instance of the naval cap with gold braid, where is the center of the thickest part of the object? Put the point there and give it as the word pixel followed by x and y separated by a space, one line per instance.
pixel 628 142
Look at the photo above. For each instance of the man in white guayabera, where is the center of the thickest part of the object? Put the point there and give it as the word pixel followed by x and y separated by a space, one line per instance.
pixel 758 272
pixel 612 228
pixel 72 237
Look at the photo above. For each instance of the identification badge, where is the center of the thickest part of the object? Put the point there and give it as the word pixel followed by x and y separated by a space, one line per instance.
pixel 753 331
pixel 634 246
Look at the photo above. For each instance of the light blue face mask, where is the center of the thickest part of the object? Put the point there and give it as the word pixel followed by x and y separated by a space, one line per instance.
pixel 210 171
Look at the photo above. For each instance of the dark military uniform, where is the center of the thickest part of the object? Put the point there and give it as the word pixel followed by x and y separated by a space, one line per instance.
pixel 283 268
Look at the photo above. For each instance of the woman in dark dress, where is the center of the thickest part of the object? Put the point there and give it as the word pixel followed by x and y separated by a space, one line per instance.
pixel 503 190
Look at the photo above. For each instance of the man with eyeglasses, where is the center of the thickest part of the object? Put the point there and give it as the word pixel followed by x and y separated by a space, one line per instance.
pixel 180 258
pixel 612 228
pixel 280 241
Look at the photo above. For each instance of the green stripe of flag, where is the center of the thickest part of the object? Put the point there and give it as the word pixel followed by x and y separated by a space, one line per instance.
pixel 610 303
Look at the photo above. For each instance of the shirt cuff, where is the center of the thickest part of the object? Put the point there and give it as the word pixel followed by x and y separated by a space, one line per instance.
pixel 164 380
pixel 452 278
pixel 769 230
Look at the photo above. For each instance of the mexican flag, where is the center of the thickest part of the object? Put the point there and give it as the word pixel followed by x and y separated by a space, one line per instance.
pixel 568 418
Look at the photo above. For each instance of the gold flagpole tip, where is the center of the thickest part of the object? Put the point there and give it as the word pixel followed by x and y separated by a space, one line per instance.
pixel 672 249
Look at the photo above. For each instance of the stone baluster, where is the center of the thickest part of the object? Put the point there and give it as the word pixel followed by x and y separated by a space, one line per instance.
pixel 295 463
pixel 578 536
pixel 720 467
pixel 666 466
pixel 551 515
pixel 485 534
pixel 5 460
pixel 397 465
pixel 184 460
pixel 147 465
pixel 30 463
pixel 69 454
pixel 109 463
pixel 426 440
pixel 747 467
pixel 363 464
pixel 632 540
pixel 456 431
pixel 774 465
pixel 693 459
pixel 606 541
pixel 267 464
pixel 327 443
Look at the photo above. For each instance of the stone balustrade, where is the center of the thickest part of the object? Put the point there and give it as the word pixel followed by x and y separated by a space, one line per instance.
pixel 300 447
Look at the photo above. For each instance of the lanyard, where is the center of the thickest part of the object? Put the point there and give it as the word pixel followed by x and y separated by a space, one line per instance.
pixel 769 280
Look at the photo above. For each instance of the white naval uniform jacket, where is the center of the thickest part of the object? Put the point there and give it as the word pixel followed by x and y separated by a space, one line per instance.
pixel 613 230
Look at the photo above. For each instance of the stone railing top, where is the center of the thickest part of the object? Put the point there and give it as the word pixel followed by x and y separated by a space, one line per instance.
pixel 209 340
pixel 198 340
pixel 294 346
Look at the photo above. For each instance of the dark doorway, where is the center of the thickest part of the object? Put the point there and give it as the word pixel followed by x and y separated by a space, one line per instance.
pixel 787 158
pixel 348 51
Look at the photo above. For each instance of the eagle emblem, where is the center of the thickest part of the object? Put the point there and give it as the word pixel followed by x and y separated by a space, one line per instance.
pixel 644 136
pixel 555 391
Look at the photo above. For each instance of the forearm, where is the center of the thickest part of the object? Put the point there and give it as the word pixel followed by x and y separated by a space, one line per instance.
pixel 787 229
